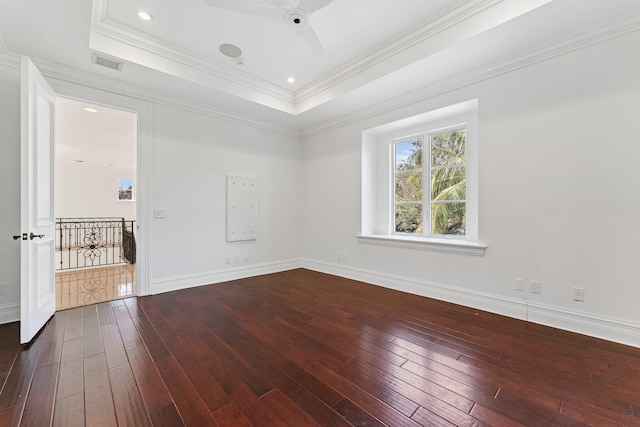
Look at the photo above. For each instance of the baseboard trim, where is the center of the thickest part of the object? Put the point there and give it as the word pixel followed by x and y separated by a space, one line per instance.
pixel 9 313
pixel 595 326
pixel 192 280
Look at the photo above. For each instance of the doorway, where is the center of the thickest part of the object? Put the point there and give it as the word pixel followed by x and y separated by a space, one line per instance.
pixel 95 203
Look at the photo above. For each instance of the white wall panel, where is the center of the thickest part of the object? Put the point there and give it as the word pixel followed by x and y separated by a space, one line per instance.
pixel 242 208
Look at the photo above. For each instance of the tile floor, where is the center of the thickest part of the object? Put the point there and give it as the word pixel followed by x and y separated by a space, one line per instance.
pixel 85 286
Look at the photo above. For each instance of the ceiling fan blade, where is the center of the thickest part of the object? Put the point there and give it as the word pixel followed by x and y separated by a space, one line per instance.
pixel 293 11
pixel 313 42
pixel 268 8
pixel 283 4
pixel 313 5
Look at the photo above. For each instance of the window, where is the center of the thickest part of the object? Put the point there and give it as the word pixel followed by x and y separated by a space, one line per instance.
pixel 435 206
pixel 125 189
pixel 420 182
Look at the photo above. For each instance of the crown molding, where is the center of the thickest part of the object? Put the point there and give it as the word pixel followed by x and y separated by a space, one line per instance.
pixel 470 16
pixel 129 44
pixel 454 14
pixel 65 76
pixel 459 21
pixel 8 58
pixel 103 26
pixel 184 57
pixel 605 30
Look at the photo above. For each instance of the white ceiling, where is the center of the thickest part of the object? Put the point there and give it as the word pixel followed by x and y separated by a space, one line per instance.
pixel 106 137
pixel 375 49
pixel 364 40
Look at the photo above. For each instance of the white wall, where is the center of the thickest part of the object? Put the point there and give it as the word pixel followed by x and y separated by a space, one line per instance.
pixel 558 203
pixel 85 190
pixel 9 192
pixel 192 155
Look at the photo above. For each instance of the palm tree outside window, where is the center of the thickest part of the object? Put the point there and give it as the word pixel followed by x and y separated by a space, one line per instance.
pixel 440 200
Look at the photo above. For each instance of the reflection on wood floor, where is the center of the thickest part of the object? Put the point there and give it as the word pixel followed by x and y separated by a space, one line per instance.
pixel 92 285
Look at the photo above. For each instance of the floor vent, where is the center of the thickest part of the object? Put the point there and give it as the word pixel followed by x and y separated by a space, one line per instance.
pixel 112 63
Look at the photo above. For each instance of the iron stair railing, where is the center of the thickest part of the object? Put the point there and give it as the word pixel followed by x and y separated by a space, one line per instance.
pixel 92 242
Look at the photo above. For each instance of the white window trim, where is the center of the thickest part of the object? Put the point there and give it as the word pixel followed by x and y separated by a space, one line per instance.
pixel 458 246
pixel 378 225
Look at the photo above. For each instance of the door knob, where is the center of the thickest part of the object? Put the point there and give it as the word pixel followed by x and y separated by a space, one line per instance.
pixel 24 236
pixel 33 236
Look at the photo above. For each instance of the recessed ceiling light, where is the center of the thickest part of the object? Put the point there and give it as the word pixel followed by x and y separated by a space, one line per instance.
pixel 90 110
pixel 291 80
pixel 145 16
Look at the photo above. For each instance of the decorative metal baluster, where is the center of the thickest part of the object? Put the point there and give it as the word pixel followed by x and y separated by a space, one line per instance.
pixel 94 242
pixel 77 238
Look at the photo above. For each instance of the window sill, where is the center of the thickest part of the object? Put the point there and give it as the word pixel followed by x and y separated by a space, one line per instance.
pixel 426 243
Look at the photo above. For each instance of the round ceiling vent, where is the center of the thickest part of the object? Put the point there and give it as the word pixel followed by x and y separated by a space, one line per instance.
pixel 230 50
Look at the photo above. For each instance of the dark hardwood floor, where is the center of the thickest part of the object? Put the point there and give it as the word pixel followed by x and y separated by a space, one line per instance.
pixel 304 349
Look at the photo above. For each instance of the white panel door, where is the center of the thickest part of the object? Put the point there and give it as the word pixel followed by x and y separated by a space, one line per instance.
pixel 37 280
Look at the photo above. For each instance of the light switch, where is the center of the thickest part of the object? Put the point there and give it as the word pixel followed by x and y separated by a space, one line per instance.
pixel 159 213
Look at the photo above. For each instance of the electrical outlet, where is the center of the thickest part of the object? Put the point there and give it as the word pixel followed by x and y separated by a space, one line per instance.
pixel 3 289
pixel 519 284
pixel 228 260
pixel 578 294
pixel 535 287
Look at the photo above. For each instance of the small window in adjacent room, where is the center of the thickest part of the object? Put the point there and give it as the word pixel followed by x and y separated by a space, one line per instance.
pixel 125 189
pixel 420 181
